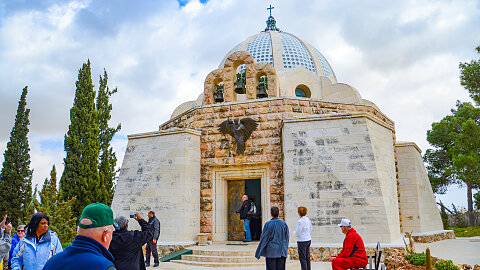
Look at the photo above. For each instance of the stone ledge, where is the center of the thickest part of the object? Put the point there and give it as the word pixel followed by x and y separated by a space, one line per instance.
pixel 164 132
pixel 407 144
pixel 335 116
pixel 433 236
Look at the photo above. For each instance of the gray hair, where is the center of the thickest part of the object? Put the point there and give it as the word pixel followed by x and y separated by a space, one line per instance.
pixel 21 227
pixel 121 221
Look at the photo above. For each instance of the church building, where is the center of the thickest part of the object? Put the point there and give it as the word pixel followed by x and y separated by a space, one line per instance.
pixel 314 142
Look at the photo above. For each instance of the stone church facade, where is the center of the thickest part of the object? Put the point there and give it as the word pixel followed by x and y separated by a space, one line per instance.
pixel 318 144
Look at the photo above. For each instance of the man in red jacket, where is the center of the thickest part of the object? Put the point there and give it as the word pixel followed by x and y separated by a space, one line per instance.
pixel 353 253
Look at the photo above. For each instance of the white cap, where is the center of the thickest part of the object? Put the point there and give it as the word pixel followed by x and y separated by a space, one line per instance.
pixel 345 223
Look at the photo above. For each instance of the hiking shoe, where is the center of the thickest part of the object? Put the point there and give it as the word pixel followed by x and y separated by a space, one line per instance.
pixel 155 265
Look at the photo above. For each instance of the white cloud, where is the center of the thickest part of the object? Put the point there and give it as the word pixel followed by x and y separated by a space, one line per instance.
pixel 401 55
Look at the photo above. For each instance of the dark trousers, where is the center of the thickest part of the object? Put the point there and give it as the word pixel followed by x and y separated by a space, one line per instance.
pixel 151 247
pixel 304 254
pixel 276 263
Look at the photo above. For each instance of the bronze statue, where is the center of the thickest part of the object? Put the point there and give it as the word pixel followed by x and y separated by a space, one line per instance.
pixel 241 132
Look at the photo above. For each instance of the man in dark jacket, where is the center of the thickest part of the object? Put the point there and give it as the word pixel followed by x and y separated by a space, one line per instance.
pixel 154 224
pixel 246 206
pixel 353 253
pixel 126 246
pixel 273 243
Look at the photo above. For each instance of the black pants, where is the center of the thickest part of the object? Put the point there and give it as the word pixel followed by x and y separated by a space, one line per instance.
pixel 276 263
pixel 151 247
pixel 304 254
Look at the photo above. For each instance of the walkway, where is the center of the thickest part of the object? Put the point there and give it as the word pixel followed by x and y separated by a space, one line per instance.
pixel 460 251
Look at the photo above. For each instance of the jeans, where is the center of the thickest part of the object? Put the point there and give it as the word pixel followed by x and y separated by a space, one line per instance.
pixel 151 248
pixel 304 254
pixel 246 227
pixel 275 263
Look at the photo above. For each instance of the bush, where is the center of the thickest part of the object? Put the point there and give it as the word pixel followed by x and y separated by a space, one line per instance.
pixel 446 265
pixel 416 258
pixel 64 245
pixel 466 232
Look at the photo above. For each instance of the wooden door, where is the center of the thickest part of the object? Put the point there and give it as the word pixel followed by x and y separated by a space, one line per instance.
pixel 235 191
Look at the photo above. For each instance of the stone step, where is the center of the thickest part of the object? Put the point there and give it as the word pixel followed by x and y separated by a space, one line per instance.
pixel 222 259
pixel 224 252
pixel 218 264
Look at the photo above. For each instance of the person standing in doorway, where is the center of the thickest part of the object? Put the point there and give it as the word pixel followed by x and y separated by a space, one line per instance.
pixel 273 243
pixel 244 216
pixel 154 224
pixel 303 228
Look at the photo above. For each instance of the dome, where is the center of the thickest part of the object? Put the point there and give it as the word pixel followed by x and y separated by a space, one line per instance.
pixel 285 52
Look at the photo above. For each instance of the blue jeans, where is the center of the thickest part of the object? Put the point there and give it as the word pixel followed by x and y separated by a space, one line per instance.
pixel 246 227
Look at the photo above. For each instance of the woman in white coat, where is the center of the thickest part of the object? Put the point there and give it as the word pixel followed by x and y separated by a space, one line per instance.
pixel 303 228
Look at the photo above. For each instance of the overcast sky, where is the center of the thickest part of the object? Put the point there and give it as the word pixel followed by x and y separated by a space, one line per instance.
pixel 402 55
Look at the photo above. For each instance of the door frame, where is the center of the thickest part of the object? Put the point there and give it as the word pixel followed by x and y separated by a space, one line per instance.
pixel 220 199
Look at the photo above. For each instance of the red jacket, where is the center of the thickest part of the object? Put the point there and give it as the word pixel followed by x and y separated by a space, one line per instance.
pixel 353 247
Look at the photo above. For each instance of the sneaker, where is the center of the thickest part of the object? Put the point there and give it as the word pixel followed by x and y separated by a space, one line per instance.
pixel 155 265
pixel 147 264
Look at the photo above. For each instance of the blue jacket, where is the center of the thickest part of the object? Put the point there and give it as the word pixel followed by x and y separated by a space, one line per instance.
pixel 15 240
pixel 85 253
pixel 274 240
pixel 29 255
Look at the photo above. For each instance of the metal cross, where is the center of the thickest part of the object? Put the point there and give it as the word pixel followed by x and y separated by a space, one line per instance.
pixel 270 8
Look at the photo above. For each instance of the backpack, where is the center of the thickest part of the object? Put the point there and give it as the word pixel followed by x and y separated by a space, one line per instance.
pixel 253 209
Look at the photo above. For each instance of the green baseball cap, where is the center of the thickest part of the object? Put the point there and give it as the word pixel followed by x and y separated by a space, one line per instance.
pixel 100 214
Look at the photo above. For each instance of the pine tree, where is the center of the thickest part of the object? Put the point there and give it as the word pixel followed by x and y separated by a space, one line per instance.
pixel 107 158
pixel 80 177
pixel 60 212
pixel 16 175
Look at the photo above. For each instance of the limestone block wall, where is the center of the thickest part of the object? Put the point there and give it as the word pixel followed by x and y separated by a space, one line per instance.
pixel 341 166
pixel 161 172
pixel 419 210
pixel 264 146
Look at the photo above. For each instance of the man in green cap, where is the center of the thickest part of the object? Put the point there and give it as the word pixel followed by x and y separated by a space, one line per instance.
pixel 89 250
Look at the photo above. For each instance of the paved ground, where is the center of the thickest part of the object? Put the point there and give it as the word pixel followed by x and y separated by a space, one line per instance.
pixel 460 251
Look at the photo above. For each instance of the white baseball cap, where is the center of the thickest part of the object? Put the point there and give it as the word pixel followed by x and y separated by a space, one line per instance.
pixel 345 223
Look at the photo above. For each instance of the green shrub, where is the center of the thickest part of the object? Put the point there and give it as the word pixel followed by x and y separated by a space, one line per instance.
pixel 466 232
pixel 64 245
pixel 416 258
pixel 446 265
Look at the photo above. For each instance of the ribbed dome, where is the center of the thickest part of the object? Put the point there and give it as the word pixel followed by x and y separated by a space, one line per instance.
pixel 285 52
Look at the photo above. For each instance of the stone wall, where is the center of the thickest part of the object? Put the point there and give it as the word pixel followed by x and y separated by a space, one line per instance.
pixel 264 146
pixel 324 254
pixel 434 236
pixel 419 210
pixel 341 166
pixel 161 172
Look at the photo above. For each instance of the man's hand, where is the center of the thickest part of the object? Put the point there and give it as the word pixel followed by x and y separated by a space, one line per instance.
pixel 137 216
pixel 154 241
pixel 8 228
pixel 2 224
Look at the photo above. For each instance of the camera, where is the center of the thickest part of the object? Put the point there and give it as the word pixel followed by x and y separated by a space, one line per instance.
pixel 7 220
pixel 132 216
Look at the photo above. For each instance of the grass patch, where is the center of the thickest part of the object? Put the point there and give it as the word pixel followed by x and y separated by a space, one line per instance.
pixel 466 232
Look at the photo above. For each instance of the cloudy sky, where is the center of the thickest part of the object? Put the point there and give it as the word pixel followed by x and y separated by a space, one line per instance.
pixel 402 55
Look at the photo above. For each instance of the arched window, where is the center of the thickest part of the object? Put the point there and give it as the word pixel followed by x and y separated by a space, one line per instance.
pixel 302 91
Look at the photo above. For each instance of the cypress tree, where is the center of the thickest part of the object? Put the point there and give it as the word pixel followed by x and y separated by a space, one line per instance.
pixel 80 178
pixel 16 175
pixel 107 158
pixel 60 212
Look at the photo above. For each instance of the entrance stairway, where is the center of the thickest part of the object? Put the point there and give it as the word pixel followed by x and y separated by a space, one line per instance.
pixel 222 255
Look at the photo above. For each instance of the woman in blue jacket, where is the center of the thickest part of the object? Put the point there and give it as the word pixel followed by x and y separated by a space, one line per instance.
pixel 39 245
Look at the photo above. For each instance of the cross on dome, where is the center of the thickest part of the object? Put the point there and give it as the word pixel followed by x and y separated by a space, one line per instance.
pixel 271 23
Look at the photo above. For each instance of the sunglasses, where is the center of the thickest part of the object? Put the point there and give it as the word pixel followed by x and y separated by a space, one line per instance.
pixel 21 231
